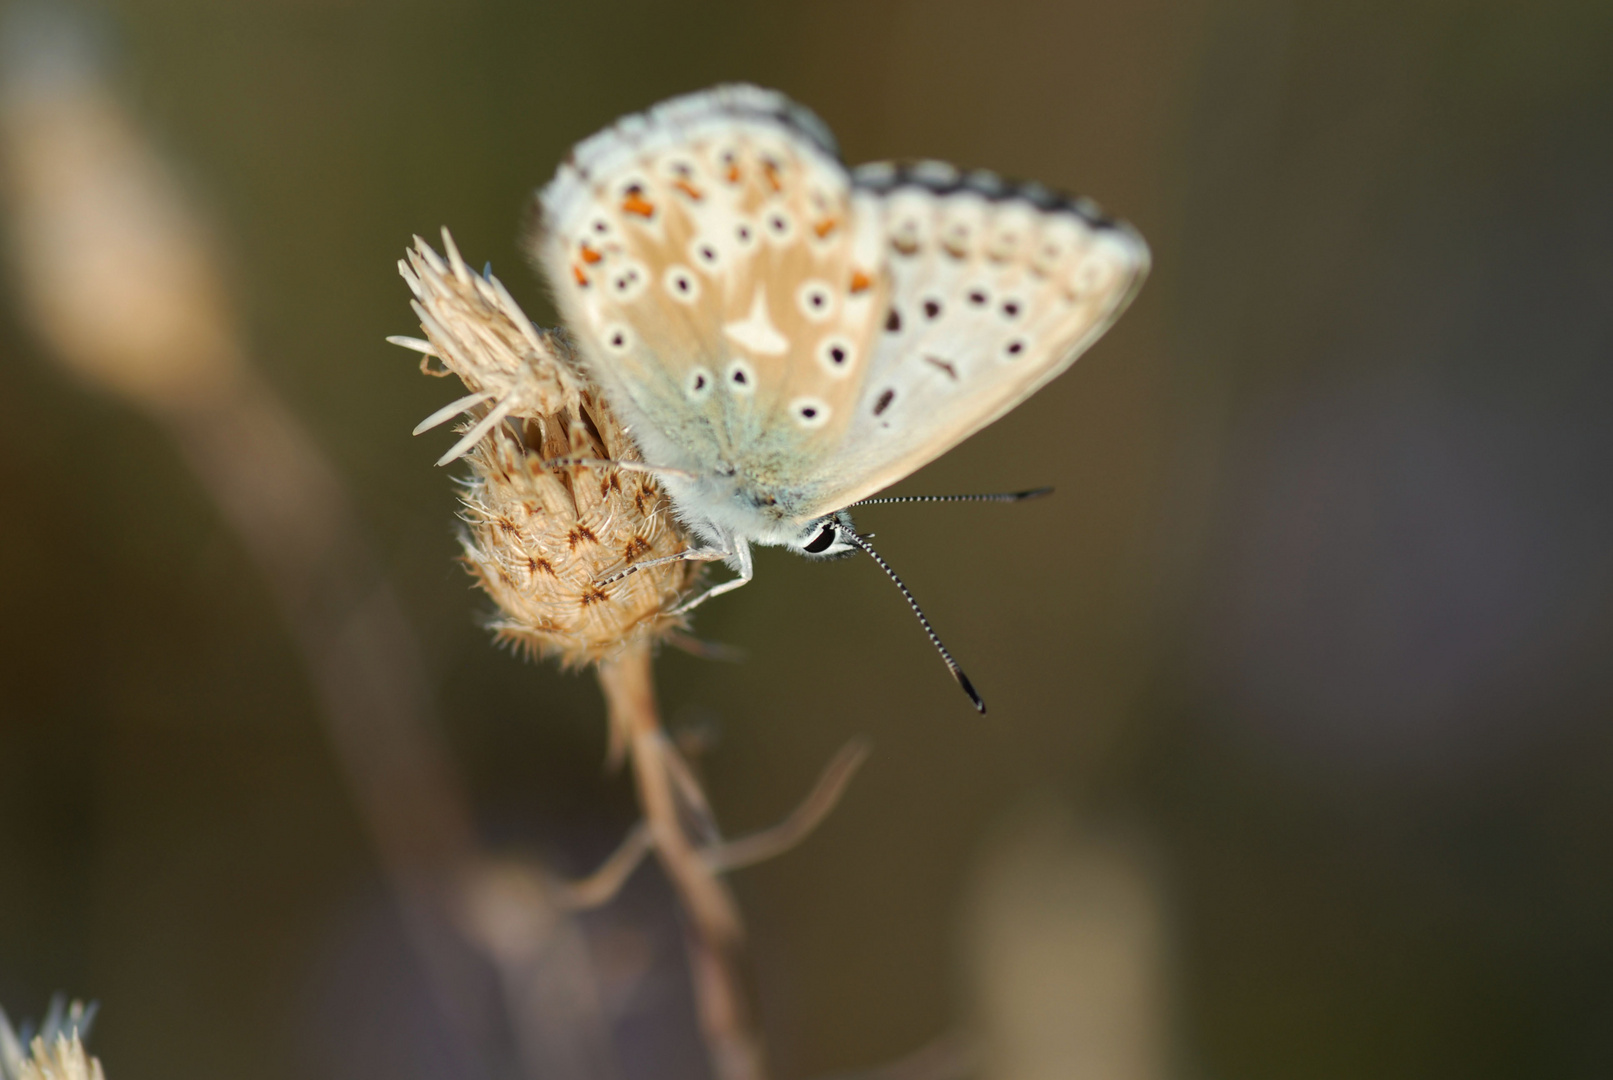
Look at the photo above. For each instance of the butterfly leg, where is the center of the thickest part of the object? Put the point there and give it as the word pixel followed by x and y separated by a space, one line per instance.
pixel 692 555
pixel 746 572
pixel 625 466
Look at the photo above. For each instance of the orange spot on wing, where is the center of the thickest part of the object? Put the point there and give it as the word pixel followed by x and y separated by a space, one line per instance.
pixel 770 171
pixel 860 281
pixel 733 174
pixel 688 189
pixel 582 278
pixel 825 227
pixel 638 204
pixel 589 255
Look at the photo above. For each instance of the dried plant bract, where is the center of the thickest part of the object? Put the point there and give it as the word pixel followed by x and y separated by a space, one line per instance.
pixel 53 1052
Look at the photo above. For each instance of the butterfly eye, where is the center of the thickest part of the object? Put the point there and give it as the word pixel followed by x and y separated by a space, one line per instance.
pixel 822 542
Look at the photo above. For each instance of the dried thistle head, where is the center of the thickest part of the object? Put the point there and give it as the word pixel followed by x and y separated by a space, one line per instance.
pixel 538 538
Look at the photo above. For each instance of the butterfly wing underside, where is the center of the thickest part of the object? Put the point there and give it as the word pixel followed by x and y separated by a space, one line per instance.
pixel 707 257
pixel 752 307
pixel 995 289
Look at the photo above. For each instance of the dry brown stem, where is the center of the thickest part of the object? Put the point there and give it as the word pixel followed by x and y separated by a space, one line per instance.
pixel 714 929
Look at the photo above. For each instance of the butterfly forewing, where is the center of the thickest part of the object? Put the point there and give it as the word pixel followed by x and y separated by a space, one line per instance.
pixel 711 263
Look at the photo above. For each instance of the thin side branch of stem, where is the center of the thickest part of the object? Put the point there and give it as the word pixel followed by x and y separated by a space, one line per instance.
pixel 603 884
pixel 764 845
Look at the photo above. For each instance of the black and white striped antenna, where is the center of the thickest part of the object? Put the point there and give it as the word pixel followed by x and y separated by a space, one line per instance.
pixel 946 657
pixel 1003 497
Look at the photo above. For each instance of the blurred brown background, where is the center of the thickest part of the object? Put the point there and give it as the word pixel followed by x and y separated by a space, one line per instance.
pixel 1315 631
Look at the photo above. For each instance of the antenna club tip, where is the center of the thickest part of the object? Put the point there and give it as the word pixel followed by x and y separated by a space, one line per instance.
pixel 969 688
pixel 1036 493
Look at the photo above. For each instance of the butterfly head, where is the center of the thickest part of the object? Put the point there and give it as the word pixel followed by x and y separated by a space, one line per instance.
pixel 825 537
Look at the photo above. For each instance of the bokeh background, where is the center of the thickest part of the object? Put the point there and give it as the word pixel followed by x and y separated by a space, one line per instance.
pixel 1299 756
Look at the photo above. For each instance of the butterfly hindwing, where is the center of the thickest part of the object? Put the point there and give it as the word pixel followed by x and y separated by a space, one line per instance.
pixel 995 289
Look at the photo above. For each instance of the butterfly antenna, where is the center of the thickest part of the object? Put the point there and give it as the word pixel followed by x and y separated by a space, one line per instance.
pixel 1004 497
pixel 935 639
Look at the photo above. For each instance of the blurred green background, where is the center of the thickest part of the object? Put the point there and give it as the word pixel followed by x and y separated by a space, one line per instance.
pixel 1318 618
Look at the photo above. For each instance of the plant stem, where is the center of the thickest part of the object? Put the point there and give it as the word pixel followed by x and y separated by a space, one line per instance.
pixel 715 932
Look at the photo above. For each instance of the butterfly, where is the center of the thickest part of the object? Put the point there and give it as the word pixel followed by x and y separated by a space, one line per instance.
pixel 785 337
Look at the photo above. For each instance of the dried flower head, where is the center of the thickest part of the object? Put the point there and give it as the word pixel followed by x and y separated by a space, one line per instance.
pixel 540 538
pixel 55 1052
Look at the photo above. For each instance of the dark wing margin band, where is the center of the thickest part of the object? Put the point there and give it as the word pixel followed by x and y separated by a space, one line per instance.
pixel 939 178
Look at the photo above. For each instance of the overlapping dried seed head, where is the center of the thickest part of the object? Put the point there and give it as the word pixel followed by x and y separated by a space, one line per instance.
pixel 540 539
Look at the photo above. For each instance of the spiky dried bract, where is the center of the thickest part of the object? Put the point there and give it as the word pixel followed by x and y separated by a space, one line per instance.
pixel 539 539
pixel 481 335
pixel 63 1059
pixel 56 1052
